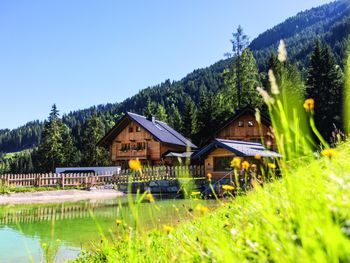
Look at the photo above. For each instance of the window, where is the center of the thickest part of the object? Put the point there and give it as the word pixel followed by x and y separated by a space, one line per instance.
pixel 125 147
pixel 240 123
pixel 141 146
pixel 138 128
pixel 131 129
pixel 250 124
pixel 222 164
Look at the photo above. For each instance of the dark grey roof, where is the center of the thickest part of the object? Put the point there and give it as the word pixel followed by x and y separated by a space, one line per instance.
pixel 240 148
pixel 160 130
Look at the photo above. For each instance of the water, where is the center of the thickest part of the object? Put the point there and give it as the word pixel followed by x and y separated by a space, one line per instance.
pixel 64 229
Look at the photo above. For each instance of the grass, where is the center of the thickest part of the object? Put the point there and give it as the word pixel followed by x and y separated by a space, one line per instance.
pixel 302 218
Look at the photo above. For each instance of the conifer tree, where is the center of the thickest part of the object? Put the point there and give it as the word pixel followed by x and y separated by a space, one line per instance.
pixel 148 111
pixel 189 118
pixel 161 113
pixel 51 148
pixel 93 155
pixel 325 86
pixel 176 119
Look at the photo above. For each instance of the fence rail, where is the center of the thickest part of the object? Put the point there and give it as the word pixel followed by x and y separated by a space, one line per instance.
pixel 91 179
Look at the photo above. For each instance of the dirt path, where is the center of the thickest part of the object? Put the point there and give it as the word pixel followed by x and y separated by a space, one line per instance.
pixel 57 196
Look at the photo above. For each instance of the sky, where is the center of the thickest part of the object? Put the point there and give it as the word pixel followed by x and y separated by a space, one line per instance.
pixel 82 53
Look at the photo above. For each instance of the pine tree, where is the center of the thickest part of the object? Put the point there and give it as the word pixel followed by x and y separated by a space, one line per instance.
pixel 241 89
pixel 51 148
pixel 239 42
pixel 325 86
pixel 207 117
pixel 93 155
pixel 189 118
pixel 175 119
pixel 161 113
pixel 148 111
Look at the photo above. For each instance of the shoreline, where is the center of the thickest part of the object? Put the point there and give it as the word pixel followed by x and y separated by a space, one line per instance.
pixel 56 196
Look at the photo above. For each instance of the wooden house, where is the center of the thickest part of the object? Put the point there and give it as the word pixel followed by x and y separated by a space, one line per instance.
pixel 149 140
pixel 240 136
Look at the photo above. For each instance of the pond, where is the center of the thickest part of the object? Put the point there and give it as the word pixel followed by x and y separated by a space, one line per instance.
pixel 26 231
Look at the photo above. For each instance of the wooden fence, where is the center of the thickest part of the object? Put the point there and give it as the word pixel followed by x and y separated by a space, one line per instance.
pixel 91 179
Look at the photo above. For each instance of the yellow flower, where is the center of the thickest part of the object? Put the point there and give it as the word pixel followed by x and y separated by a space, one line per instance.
pixel 309 104
pixel 209 175
pixel 195 193
pixel 236 162
pixel 328 152
pixel 202 209
pixel 118 222
pixel 135 164
pixel 271 166
pixel 257 156
pixel 227 187
pixel 150 198
pixel 245 165
pixel 168 229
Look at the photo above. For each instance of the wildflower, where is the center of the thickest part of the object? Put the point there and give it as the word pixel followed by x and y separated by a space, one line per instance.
pixel 257 156
pixel 309 104
pixel 195 193
pixel 168 229
pixel 135 164
pixel 227 187
pixel 328 152
pixel 236 162
pixel 267 98
pixel 282 52
pixel 273 83
pixel 150 198
pixel 257 116
pixel 271 166
pixel 118 222
pixel 177 209
pixel 245 165
pixel 202 209
pixel 209 175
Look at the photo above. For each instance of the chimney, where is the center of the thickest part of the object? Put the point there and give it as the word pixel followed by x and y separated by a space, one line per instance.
pixel 153 119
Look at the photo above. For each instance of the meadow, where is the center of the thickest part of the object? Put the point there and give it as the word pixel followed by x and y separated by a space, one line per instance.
pixel 304 216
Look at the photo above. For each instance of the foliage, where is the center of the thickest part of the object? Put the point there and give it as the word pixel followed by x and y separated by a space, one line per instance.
pixel 325 86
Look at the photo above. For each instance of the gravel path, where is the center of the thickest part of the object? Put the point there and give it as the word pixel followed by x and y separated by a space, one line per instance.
pixel 57 196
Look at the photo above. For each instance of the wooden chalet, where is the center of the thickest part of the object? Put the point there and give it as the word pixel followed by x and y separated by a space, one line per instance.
pixel 151 141
pixel 240 136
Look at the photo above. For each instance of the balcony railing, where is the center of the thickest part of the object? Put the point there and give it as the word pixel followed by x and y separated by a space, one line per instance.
pixel 142 154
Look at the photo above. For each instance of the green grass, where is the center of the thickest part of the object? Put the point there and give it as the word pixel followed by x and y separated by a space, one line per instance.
pixel 4 189
pixel 301 218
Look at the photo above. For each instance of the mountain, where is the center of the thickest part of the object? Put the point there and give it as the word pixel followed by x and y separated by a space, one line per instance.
pixel 330 22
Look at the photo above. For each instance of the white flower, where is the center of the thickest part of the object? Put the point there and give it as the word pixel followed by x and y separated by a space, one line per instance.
pixel 267 98
pixel 273 83
pixel 282 52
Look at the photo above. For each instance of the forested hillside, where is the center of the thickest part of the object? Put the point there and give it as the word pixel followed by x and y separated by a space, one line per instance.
pixel 203 87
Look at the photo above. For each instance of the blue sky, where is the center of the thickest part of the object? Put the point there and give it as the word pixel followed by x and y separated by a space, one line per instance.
pixel 82 53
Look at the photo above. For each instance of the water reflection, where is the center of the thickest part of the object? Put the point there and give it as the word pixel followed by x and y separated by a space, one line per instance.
pixel 59 231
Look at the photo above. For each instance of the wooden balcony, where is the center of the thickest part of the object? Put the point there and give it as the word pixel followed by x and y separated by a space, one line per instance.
pixel 132 154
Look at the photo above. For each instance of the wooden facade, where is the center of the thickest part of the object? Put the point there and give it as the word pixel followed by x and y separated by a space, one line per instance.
pixel 131 140
pixel 244 127
pixel 241 127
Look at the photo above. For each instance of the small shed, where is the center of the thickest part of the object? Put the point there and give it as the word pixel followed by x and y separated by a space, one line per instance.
pixel 218 154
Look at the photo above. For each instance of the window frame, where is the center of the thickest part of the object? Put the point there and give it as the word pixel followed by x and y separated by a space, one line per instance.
pixel 216 169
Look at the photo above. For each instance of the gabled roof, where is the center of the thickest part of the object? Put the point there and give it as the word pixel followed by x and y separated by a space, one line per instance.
pixel 248 109
pixel 240 148
pixel 160 130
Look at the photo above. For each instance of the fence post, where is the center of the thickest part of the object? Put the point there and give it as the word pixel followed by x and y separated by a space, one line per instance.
pixel 62 180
